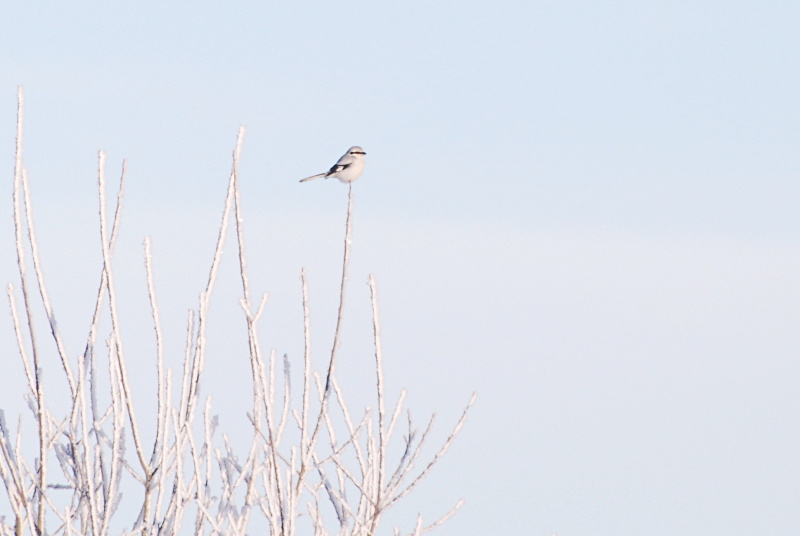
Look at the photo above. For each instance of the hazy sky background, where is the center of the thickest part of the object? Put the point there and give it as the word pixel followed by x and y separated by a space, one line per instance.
pixel 585 211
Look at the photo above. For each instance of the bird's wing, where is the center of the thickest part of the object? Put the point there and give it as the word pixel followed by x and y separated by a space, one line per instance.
pixel 337 167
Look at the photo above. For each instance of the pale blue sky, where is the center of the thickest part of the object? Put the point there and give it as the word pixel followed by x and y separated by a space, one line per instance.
pixel 585 211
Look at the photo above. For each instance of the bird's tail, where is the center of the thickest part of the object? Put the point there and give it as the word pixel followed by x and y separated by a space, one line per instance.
pixel 312 177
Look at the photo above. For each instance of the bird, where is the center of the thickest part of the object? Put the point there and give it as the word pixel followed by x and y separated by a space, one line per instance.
pixel 347 169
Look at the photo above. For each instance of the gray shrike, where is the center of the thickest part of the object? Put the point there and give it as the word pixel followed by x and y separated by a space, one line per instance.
pixel 347 169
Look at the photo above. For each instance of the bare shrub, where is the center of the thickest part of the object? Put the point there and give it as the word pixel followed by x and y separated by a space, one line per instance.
pixel 309 456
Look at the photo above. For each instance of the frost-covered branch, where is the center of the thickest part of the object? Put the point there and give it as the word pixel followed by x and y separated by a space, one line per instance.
pixel 313 463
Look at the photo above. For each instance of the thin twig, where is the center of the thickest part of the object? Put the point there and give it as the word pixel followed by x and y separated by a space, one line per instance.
pixel 382 446
pixel 304 446
pixel 161 418
pixel 337 331
pixel 37 269
pixel 20 342
pixel 439 454
pixel 19 172
pixel 112 299
pixel 205 296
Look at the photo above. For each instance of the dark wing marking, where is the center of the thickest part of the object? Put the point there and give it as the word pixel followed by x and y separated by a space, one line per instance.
pixel 336 169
